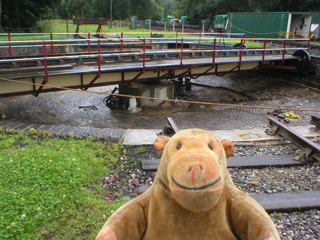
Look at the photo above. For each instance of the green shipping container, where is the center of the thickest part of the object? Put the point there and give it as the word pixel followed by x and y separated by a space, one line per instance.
pixel 263 25
pixel 272 24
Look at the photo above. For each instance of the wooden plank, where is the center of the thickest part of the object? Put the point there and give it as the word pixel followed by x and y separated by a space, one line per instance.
pixel 246 162
pixel 289 201
pixel 262 161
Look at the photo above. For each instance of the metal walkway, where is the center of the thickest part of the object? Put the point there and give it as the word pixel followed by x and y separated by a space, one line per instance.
pixel 83 71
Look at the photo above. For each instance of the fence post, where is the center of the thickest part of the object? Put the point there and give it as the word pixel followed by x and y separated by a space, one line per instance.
pixel 150 41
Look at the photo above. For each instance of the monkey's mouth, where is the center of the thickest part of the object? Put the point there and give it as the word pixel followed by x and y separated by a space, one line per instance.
pixel 195 188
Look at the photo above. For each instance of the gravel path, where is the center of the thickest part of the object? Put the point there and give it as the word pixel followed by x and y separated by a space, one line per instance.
pixel 299 225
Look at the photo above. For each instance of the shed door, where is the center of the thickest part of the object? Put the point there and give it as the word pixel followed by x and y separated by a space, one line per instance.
pixel 300 25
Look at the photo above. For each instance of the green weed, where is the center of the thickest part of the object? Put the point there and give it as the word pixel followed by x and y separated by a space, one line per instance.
pixel 141 150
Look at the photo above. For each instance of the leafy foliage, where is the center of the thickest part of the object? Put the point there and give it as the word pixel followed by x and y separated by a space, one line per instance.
pixel 20 15
pixel 23 15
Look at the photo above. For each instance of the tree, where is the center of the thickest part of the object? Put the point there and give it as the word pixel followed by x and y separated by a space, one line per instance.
pixel 263 6
pixel 1 29
pixel 23 14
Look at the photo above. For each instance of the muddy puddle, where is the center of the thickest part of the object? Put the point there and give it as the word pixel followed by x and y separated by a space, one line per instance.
pixel 88 109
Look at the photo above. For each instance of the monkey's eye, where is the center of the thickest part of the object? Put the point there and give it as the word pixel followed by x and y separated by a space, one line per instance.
pixel 179 146
pixel 210 146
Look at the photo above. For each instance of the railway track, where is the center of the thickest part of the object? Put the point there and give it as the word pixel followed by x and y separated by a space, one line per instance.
pixel 284 201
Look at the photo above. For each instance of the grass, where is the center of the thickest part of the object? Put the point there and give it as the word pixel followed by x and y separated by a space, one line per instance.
pixel 49 188
pixel 60 26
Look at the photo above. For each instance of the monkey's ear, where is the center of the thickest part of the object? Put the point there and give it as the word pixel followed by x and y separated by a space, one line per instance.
pixel 228 147
pixel 160 143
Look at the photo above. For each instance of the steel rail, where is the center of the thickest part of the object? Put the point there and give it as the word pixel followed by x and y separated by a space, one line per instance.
pixel 311 149
pixel 108 40
pixel 157 53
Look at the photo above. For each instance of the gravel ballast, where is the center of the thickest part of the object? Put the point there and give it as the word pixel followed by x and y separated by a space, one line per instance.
pixel 131 180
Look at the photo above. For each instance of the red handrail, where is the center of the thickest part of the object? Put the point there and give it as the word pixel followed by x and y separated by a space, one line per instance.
pixel 121 48
pixel 45 61
pixel 214 52
pixel 89 42
pixel 51 38
pixel 99 58
pixel 176 40
pixel 284 49
pixel 264 50
pixel 240 54
pixel 181 51
pixel 10 47
pixel 144 54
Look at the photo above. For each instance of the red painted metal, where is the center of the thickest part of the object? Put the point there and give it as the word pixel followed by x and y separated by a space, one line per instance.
pixel 99 69
pixel 181 51
pixel 264 50
pixel 89 42
pixel 144 54
pixel 121 48
pixel 99 58
pixel 176 40
pixel 51 38
pixel 45 80
pixel 240 54
pixel 284 50
pixel 214 52
pixel 45 61
pixel 10 47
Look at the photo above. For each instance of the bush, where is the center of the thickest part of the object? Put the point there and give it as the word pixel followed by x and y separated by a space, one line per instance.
pixel 45 26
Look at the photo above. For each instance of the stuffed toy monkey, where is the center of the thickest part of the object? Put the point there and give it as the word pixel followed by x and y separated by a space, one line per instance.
pixel 192 197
